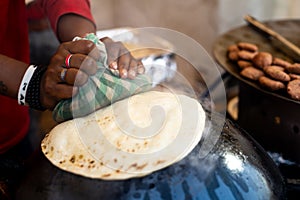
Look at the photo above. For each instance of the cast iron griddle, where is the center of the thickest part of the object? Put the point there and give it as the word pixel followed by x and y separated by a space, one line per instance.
pixel 236 168
pixel 290 29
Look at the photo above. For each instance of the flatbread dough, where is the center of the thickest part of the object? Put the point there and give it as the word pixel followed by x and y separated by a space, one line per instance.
pixel 131 138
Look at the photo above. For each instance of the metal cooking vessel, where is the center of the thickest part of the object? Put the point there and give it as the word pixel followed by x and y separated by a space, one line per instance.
pixel 271 118
pixel 236 168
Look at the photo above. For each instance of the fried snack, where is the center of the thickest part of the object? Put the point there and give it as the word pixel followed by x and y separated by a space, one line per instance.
pixel 247 46
pixel 281 62
pixel 233 55
pixel 294 76
pixel 272 73
pixel 262 59
pixel 246 55
pixel 275 67
pixel 244 64
pixel 294 68
pixel 277 73
pixel 270 84
pixel 233 47
pixel 293 89
pixel 252 73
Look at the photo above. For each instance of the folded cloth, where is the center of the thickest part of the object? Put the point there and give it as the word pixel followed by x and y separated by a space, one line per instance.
pixel 101 89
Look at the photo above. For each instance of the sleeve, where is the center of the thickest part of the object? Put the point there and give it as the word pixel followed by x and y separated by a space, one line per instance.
pixel 54 9
pixel 34 12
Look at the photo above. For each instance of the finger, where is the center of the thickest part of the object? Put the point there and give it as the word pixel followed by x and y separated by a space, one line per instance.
pixel 141 68
pixel 84 63
pixel 132 70
pixel 64 91
pixel 52 92
pixel 106 40
pixel 82 47
pixel 123 64
pixel 113 51
pixel 113 64
pixel 74 76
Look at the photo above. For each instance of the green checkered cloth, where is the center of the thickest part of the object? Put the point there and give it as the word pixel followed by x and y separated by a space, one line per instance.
pixel 101 89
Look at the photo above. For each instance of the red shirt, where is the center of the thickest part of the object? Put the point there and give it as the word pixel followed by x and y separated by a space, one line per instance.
pixel 14 119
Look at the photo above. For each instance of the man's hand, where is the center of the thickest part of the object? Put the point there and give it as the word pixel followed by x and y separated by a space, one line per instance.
pixel 61 81
pixel 118 57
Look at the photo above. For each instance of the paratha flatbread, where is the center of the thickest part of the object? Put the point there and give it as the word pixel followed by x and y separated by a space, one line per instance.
pixel 131 138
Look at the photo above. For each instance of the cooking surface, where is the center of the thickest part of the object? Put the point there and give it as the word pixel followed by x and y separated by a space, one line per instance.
pixel 288 28
pixel 236 167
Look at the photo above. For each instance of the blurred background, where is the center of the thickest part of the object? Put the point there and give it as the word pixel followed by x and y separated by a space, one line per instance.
pixel 202 20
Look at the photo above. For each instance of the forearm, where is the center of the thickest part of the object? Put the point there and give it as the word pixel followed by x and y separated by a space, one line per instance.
pixel 71 25
pixel 11 74
pixel 68 18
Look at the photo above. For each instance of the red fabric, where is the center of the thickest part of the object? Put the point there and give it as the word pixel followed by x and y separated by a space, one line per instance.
pixel 54 9
pixel 34 12
pixel 14 119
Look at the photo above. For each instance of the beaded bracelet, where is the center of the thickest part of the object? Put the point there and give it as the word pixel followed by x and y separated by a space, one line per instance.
pixel 33 97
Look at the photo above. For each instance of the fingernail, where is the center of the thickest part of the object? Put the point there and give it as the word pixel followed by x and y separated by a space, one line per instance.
pixel 114 65
pixel 124 73
pixel 131 73
pixel 141 70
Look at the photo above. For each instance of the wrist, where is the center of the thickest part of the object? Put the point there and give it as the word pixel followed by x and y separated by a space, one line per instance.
pixel 25 83
pixel 29 91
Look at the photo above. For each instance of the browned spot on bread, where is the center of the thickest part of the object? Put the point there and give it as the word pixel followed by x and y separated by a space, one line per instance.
pixel 106 175
pixel 142 166
pixel 135 165
pixel 62 161
pixel 72 159
pixel 160 162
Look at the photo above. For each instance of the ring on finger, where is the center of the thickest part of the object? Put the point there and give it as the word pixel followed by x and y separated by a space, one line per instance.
pixel 63 74
pixel 67 60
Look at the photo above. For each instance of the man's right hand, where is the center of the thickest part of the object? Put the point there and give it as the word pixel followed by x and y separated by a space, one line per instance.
pixel 61 81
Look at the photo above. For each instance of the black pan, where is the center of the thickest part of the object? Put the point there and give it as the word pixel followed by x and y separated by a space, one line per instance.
pixel 236 168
